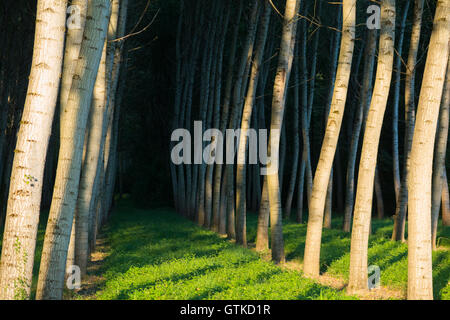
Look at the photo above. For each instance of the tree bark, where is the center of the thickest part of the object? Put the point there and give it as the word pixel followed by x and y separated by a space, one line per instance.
pixel 278 103
pixel 439 157
pixel 59 225
pixel 363 108
pixel 241 210
pixel 420 281
pixel 366 175
pixel 398 233
pixel 323 170
pixel 19 237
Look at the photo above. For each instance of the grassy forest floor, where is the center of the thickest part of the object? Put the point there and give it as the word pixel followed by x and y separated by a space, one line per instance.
pixel 156 254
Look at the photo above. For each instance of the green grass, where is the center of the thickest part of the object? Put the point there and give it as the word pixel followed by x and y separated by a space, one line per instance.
pixel 158 255
pixel 390 256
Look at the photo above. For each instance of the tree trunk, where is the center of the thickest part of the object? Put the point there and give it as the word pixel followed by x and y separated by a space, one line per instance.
pixel 323 170
pixel 366 175
pixel 363 107
pixel 398 233
pixel 57 236
pixel 245 126
pixel 19 237
pixel 398 69
pixel 278 103
pixel 420 281
pixel 439 157
pixel 245 60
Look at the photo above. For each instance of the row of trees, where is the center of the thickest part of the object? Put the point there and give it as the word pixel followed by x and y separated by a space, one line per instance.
pixel 75 84
pixel 231 77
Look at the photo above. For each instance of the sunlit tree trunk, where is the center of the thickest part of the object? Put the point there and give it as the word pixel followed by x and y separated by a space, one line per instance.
pixel 323 170
pixel 439 157
pixel 420 282
pixel 278 103
pixel 71 51
pixel 363 107
pixel 398 233
pixel 19 237
pixel 57 236
pixel 368 162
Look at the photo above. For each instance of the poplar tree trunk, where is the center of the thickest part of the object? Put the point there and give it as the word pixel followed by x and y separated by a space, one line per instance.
pixel 398 233
pixel 420 281
pixel 323 170
pixel 439 157
pixel 245 60
pixel 366 175
pixel 219 195
pixel 398 69
pixel 296 137
pixel 22 217
pixel 59 225
pixel 71 51
pixel 278 103
pixel 241 209
pixel 363 107
pixel 94 150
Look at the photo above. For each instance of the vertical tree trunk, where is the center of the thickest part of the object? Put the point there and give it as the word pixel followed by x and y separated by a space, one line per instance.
pixel 296 136
pixel 398 233
pixel 398 69
pixel 219 195
pixel 363 107
pixel 439 157
pixel 19 237
pixel 245 60
pixel 420 282
pixel 323 170
pixel 57 236
pixel 245 125
pixel 278 103
pixel 71 51
pixel 367 166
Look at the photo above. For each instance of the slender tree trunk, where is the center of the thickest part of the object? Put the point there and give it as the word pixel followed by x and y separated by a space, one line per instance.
pixel 71 52
pixel 278 103
pixel 398 69
pixel 245 125
pixel 420 281
pixel 296 137
pixel 19 237
pixel 398 233
pixel 323 170
pixel 363 107
pixel 236 109
pixel 56 242
pixel 219 195
pixel 366 175
pixel 439 157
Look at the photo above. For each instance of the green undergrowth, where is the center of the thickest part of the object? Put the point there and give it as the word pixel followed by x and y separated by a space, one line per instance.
pixel 389 256
pixel 157 254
